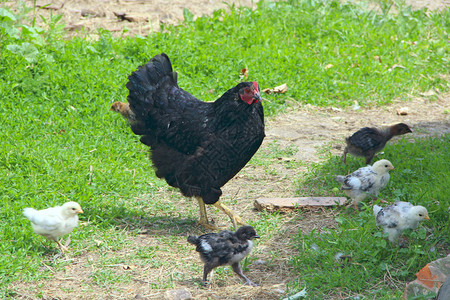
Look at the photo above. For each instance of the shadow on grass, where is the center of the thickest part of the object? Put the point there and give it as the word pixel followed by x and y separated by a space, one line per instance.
pixel 159 225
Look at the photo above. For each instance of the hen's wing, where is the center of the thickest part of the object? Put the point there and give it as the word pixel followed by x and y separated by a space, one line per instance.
pixel 171 114
pixel 367 139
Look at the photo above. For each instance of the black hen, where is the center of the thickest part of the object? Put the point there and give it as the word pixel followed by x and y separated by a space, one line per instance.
pixel 195 146
pixel 225 248
pixel 369 140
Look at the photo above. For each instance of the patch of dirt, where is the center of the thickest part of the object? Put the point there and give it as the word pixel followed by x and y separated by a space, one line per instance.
pixel 130 17
pixel 306 127
pixel 126 17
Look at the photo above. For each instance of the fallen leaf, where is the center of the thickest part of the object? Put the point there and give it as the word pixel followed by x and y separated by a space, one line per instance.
pixel 329 66
pixel 398 66
pixel 281 89
pixel 277 90
pixel 243 74
pixel 376 57
pixel 395 67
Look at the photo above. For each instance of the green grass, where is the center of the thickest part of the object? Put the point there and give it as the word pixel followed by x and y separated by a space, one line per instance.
pixel 61 142
pixel 421 178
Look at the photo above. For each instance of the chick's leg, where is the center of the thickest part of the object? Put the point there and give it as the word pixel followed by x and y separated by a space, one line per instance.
pixel 235 219
pixel 344 156
pixel 237 269
pixel 61 247
pixel 206 270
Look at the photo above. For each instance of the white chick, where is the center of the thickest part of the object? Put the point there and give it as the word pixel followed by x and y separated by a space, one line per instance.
pixel 399 216
pixel 54 222
pixel 366 181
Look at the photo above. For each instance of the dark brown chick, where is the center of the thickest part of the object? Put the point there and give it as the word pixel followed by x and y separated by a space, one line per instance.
pixel 367 141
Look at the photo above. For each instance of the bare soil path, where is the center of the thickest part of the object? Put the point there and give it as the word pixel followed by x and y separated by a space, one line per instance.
pixel 306 127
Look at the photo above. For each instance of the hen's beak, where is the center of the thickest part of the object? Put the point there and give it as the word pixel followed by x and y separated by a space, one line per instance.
pixel 256 97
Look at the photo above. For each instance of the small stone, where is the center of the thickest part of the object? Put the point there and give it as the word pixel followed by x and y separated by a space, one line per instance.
pixel 180 294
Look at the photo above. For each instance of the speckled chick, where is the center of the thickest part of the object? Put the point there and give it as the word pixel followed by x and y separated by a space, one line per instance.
pixel 366 181
pixel 225 248
pixel 399 216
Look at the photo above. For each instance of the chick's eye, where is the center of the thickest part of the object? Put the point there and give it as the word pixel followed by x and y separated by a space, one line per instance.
pixel 73 208
pixel 420 215
pixel 385 166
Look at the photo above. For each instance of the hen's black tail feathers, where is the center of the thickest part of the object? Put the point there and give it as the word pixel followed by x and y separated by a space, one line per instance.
pixel 145 81
pixel 192 239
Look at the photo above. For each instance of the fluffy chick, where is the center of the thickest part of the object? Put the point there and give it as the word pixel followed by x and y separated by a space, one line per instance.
pixel 54 222
pixel 368 140
pixel 399 216
pixel 366 181
pixel 124 109
pixel 225 248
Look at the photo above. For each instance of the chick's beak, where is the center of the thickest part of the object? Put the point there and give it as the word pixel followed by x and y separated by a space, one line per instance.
pixel 80 211
pixel 427 217
pixel 256 236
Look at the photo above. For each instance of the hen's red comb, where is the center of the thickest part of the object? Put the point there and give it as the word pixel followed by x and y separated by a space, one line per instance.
pixel 255 84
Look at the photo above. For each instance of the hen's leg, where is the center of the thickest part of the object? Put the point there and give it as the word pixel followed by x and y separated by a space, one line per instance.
pixel 235 219
pixel 203 216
